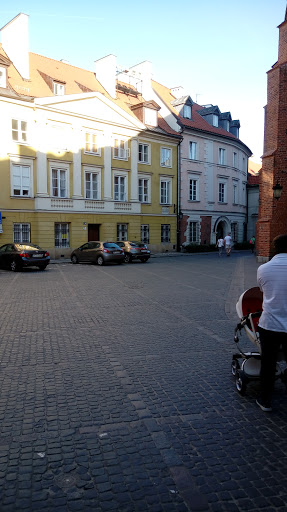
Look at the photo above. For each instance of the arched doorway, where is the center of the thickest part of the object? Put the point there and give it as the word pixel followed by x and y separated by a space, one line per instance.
pixel 221 227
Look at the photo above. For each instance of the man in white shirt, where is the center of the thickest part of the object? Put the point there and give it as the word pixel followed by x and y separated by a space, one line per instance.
pixel 227 243
pixel 220 245
pixel 272 280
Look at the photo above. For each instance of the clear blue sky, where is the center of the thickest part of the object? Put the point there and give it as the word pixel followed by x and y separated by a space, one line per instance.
pixel 219 50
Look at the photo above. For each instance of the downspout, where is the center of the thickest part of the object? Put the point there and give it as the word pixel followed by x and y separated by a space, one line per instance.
pixel 178 223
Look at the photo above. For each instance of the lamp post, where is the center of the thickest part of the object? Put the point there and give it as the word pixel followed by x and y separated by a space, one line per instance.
pixel 277 190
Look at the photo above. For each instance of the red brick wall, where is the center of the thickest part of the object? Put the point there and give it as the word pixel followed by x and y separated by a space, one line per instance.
pixel 205 230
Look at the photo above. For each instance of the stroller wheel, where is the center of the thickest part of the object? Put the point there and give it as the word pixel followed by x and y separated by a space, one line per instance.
pixel 240 382
pixel 234 366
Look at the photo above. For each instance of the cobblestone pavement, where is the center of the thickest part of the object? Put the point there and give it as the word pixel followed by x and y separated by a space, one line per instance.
pixel 117 394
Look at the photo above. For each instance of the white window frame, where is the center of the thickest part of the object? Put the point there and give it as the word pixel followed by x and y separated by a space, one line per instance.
pixel 165 233
pixel 144 195
pixel 22 233
pixel 60 168
pixel 21 163
pixel 193 150
pixel 193 232
pixel 121 150
pixel 222 156
pixel 122 232
pixel 58 88
pixel 63 238
pixel 235 192
pixel 165 196
pixel 222 192
pixel 187 111
pixel 20 132
pixel 94 150
pixel 145 233
pixel 193 188
pixel 215 120
pixel 3 77
pixel 150 116
pixel 234 159
pixel 144 156
pixel 94 173
pixel 120 186
pixel 165 160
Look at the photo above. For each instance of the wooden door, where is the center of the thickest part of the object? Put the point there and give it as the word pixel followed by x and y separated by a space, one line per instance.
pixel 93 232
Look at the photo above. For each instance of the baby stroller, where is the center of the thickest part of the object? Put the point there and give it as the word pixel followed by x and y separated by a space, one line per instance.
pixel 245 366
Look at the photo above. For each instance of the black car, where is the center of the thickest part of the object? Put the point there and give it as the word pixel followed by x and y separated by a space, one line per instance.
pixel 18 256
pixel 135 251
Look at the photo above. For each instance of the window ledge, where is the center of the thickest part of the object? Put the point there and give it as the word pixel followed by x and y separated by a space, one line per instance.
pixel 194 200
pixel 219 202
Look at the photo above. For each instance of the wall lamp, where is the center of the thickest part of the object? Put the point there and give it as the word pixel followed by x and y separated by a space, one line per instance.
pixel 277 190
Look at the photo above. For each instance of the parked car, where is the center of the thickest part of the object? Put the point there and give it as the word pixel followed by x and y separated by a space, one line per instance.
pixel 98 252
pixel 18 256
pixel 135 250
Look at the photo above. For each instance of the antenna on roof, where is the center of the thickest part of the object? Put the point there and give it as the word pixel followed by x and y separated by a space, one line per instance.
pixel 197 94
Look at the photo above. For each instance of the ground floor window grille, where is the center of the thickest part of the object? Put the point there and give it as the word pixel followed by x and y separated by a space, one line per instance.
pixel 165 233
pixel 234 232
pixel 61 235
pixel 21 233
pixel 193 232
pixel 122 232
pixel 145 233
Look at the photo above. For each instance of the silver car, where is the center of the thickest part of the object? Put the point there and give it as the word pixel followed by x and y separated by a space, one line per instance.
pixel 98 252
pixel 135 251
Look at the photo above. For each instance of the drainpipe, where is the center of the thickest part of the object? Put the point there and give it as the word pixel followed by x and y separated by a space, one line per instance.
pixel 178 219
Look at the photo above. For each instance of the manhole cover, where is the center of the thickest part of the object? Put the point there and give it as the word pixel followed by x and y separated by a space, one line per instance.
pixel 66 481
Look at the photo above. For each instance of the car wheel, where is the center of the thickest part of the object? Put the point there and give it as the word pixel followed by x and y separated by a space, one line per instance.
pixel 100 261
pixel 42 267
pixel 127 258
pixel 74 259
pixel 13 266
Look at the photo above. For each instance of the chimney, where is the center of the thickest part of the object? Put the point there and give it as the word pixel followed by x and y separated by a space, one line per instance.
pixel 15 41
pixel 142 75
pixel 105 69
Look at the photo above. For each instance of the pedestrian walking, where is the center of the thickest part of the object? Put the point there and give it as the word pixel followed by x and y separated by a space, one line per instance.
pixel 220 245
pixel 227 243
pixel 252 244
pixel 272 280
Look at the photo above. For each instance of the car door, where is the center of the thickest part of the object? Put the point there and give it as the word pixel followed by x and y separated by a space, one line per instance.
pixel 92 251
pixel 3 256
pixel 82 252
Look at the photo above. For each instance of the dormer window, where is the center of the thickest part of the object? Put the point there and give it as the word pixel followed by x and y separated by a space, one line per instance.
pixel 150 117
pixel 187 111
pixel 58 88
pixel 3 79
pixel 215 120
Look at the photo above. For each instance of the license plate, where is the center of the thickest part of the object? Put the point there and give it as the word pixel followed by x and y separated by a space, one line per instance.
pixel 37 255
pixel 117 252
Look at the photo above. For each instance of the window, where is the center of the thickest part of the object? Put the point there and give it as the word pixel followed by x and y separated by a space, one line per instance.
pixel 215 121
pixel 193 150
pixel 19 130
pixel 144 190
pixel 150 117
pixel 59 182
pixel 165 157
pixel 59 137
pixel 165 233
pixel 21 180
pixel 234 231
pixel 21 233
pixel 120 150
pixel 91 143
pixel 193 190
pixel 3 82
pixel 144 150
pixel 120 188
pixel 221 194
pixel 234 163
pixel 58 89
pixel 145 233
pixel 221 156
pixel 187 111
pixel 227 126
pixel 235 193
pixel 244 164
pixel 165 191
pixel 193 232
pixel 92 185
pixel 122 232
pixel 61 235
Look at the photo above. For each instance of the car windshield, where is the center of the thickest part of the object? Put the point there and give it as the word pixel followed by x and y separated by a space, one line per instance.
pixel 25 247
pixel 137 244
pixel 109 245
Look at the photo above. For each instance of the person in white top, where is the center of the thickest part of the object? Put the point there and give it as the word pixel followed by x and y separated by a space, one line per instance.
pixel 220 245
pixel 272 281
pixel 227 243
